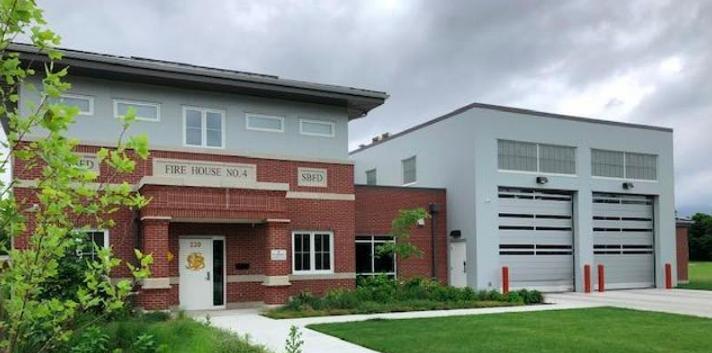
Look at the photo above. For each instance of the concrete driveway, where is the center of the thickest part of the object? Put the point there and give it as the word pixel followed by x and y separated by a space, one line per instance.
pixel 674 301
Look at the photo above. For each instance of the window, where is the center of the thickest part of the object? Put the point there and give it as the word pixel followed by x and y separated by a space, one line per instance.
pixel 557 159
pixel 204 127
pixel 316 128
pixel 86 240
pixel 371 177
pixel 368 261
pixel 613 164
pixel 144 110
pixel 537 158
pixel 607 164
pixel 312 252
pixel 260 122
pixel 409 171
pixel 85 104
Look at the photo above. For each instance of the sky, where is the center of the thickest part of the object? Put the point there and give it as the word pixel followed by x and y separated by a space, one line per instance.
pixel 646 62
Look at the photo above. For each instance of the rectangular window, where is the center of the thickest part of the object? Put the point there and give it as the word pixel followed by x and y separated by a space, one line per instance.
pixel 261 122
pixel 144 110
pixel 514 155
pixel 203 127
pixel 557 159
pixel 607 163
pixel 409 170
pixel 312 252
pixel 534 157
pixel 85 104
pixel 317 128
pixel 641 166
pixel 627 165
pixel 371 177
pixel 88 238
pixel 368 260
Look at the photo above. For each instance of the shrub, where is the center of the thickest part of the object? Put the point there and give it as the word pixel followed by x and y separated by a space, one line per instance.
pixel 382 294
pixel 91 340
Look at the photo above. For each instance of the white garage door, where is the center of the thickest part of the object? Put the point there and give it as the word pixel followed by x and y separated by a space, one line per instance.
pixel 536 238
pixel 623 240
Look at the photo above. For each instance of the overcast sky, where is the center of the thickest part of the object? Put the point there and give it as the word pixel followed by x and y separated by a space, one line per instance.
pixel 639 61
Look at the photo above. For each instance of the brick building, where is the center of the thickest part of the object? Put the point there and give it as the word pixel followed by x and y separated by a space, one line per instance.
pixel 252 190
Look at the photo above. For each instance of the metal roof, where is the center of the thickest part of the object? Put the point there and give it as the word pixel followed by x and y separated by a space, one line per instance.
pixel 509 110
pixel 136 69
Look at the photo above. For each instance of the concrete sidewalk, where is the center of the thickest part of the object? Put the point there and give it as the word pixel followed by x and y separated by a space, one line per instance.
pixel 673 301
pixel 273 333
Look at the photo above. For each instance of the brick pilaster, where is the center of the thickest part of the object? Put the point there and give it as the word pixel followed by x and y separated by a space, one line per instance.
pixel 277 237
pixel 154 241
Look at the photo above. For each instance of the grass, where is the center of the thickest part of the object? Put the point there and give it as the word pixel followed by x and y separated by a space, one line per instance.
pixel 180 335
pixel 700 276
pixel 598 330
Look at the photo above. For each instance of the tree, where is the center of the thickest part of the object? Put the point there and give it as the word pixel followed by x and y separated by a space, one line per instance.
pixel 700 237
pixel 64 193
pixel 400 229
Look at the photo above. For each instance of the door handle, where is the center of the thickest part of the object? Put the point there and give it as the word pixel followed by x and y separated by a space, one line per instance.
pixel 208 277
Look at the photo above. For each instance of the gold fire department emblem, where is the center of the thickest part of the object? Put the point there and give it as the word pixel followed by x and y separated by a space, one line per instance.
pixel 195 261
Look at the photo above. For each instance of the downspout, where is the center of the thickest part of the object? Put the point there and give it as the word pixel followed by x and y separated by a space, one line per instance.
pixel 434 209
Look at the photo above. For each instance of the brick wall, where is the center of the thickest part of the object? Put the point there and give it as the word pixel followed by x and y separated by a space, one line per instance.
pixel 377 206
pixel 683 252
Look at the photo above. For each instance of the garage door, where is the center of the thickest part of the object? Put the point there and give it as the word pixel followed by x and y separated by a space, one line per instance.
pixel 623 239
pixel 536 238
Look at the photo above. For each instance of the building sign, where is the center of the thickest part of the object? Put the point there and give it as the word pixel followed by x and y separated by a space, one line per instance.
pixel 89 161
pixel 278 255
pixel 230 172
pixel 312 177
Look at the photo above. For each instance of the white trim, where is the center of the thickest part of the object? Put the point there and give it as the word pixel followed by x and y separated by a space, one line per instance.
pixel 310 121
pixel 623 179
pixel 327 276
pixel 264 116
pixel 320 196
pixel 138 103
pixel 312 253
pixel 204 127
pixel 236 153
pixel 536 173
pixel 80 96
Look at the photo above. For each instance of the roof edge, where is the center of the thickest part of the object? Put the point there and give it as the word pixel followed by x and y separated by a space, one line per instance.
pixel 507 109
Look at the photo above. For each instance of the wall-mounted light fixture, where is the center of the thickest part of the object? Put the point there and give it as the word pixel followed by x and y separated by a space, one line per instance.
pixel 457 234
pixel 541 180
pixel 628 185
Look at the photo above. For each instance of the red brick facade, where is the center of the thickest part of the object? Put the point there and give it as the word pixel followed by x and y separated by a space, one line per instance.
pixel 683 251
pixel 255 221
pixel 377 206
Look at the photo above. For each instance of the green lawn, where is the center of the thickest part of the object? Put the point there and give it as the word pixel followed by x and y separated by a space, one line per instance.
pixel 700 276
pixel 181 335
pixel 600 330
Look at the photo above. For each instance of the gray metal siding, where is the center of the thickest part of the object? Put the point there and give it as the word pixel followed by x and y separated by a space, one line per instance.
pixel 103 127
pixel 460 153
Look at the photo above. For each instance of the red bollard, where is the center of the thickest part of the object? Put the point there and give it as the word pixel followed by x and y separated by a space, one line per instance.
pixel 587 278
pixel 601 279
pixel 505 280
pixel 668 276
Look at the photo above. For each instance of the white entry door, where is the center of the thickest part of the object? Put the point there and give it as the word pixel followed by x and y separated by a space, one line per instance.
pixel 458 258
pixel 197 278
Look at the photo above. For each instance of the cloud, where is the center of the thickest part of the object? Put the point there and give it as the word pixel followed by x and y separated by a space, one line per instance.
pixel 642 61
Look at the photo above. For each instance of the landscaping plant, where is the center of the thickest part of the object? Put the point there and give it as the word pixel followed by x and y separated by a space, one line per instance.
pixel 63 192
pixel 381 294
